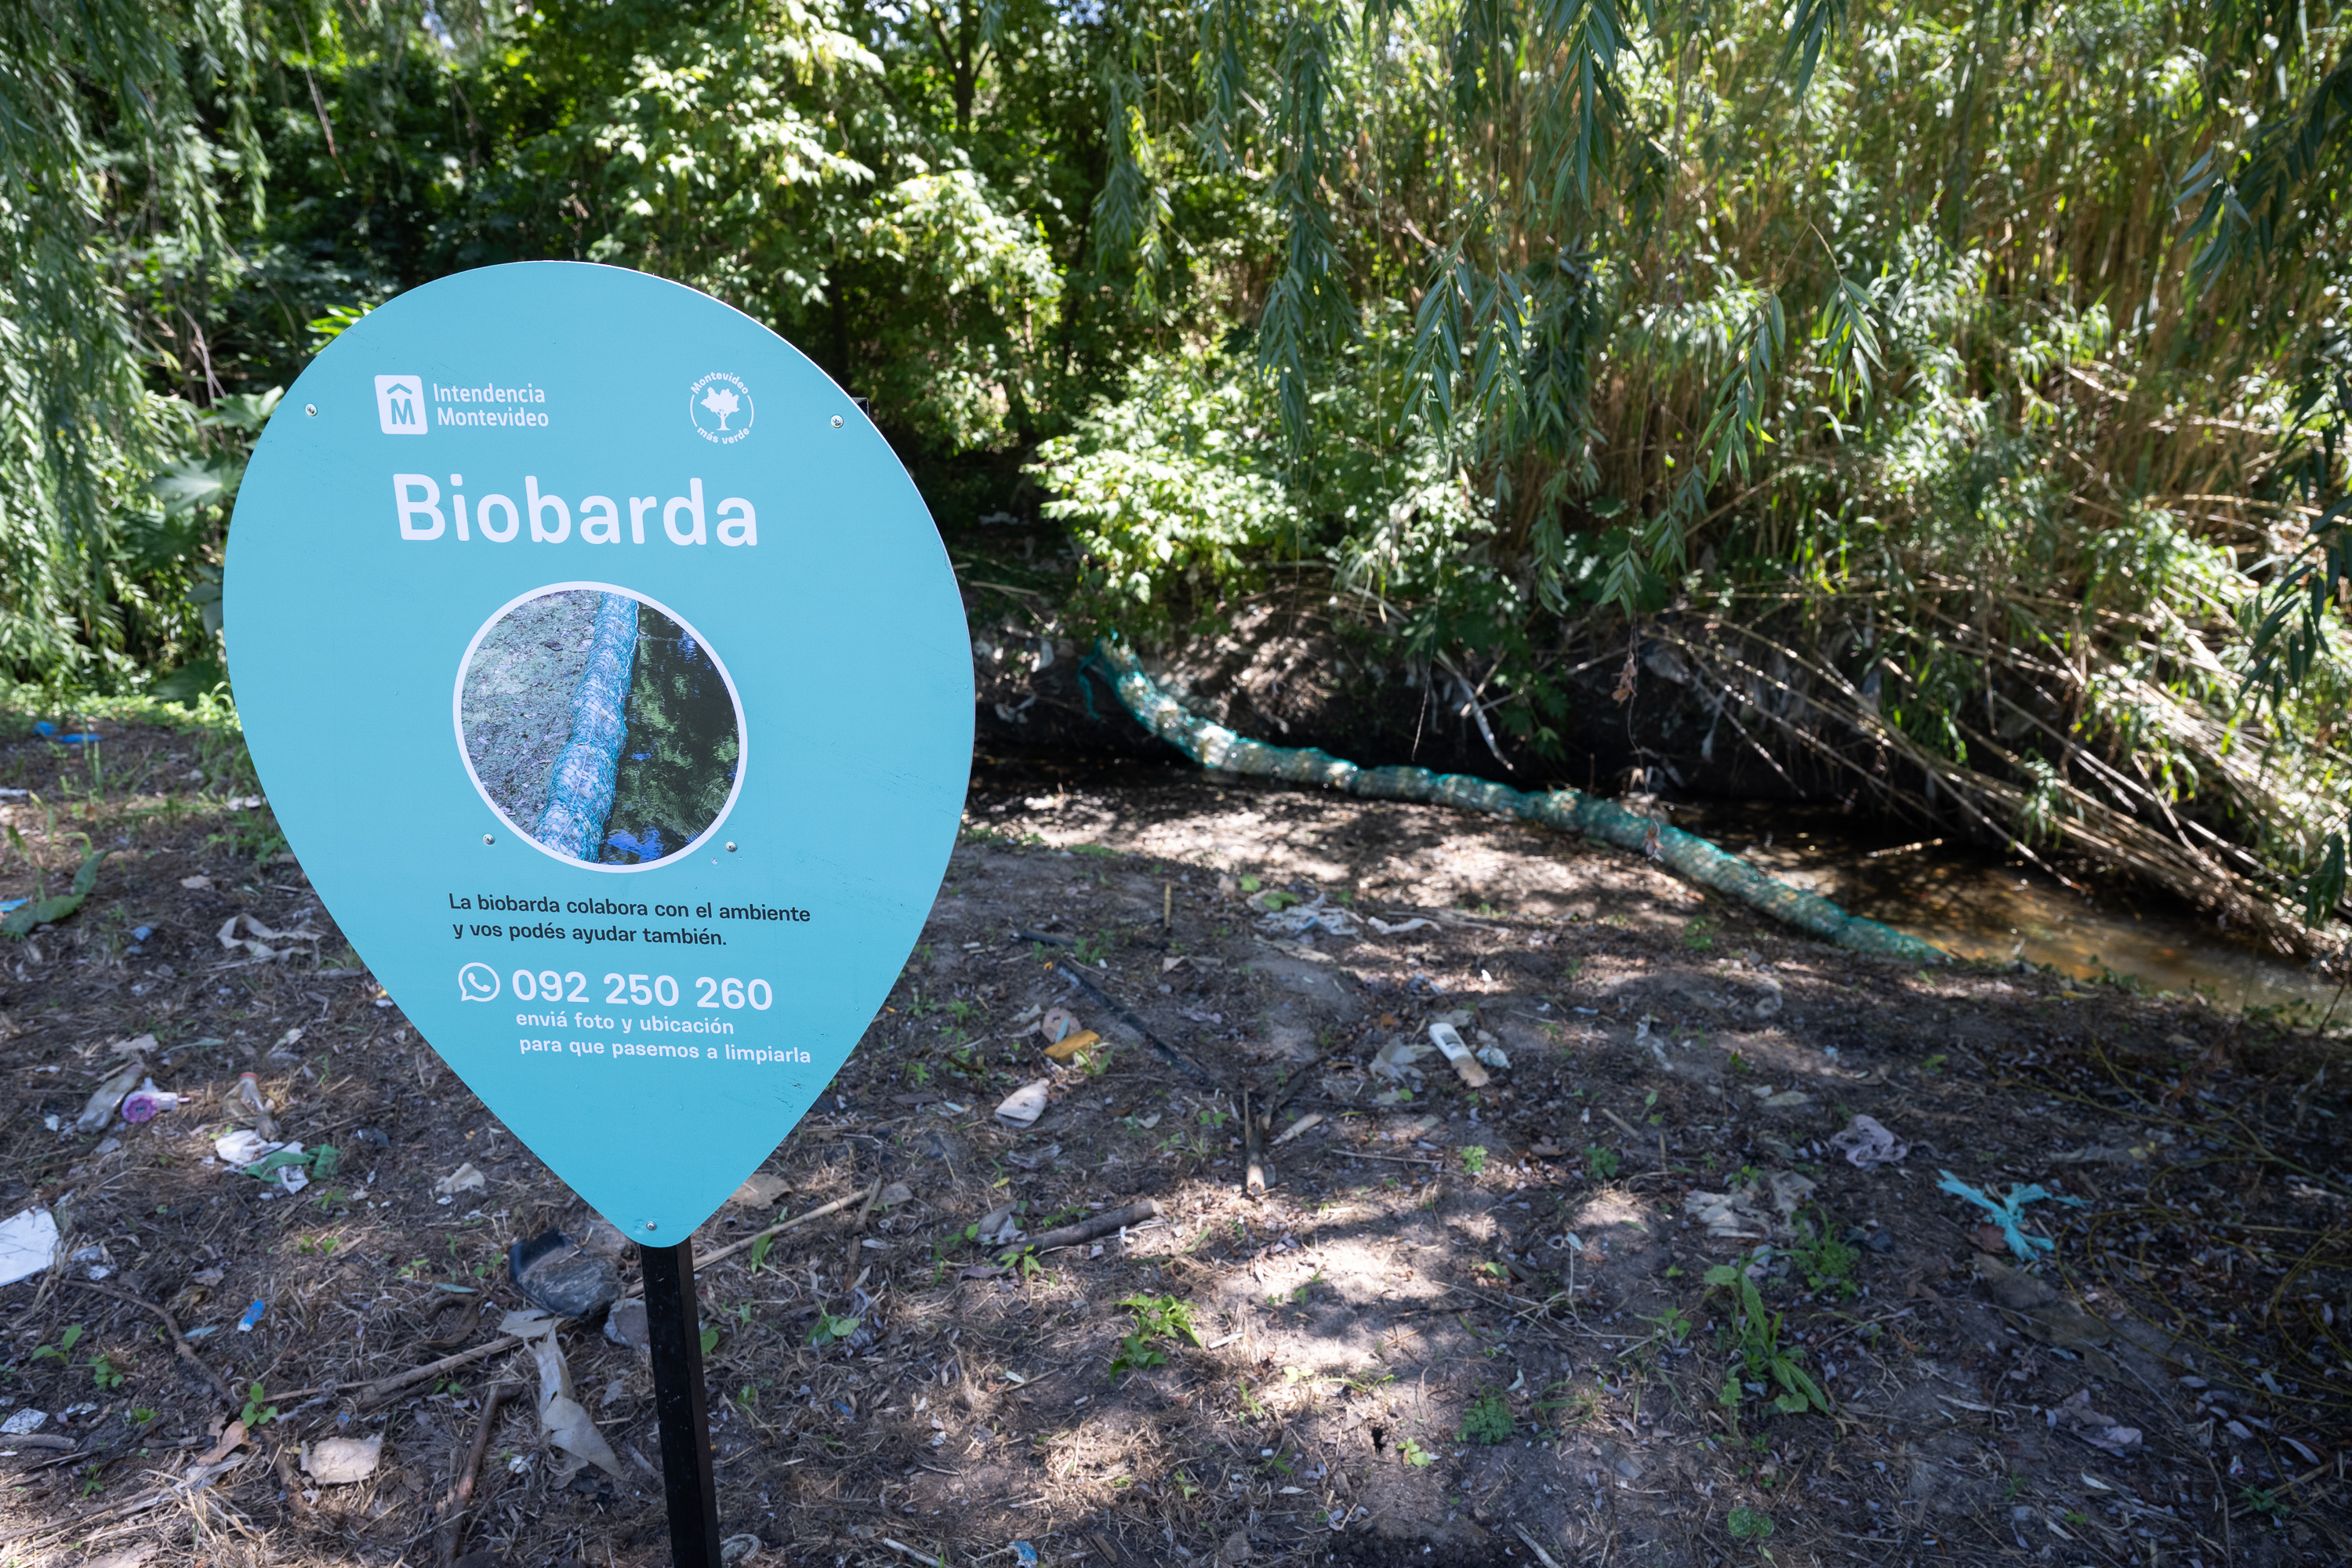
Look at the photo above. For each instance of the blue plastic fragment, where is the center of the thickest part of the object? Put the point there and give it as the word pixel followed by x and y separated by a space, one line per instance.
pixel 7 904
pixel 1024 1554
pixel 252 1316
pixel 200 1333
pixel 45 729
pixel 48 731
pixel 141 933
pixel 2007 1214
pixel 649 847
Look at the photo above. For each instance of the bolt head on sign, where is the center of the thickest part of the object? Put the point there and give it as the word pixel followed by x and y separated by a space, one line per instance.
pixel 608 677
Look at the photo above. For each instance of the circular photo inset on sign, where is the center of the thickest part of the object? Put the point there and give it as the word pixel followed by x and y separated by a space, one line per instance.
pixel 600 726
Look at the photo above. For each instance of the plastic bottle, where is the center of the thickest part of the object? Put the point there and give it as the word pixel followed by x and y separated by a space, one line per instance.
pixel 248 1093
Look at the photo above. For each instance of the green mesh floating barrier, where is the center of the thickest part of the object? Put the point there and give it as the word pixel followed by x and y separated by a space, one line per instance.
pixel 1213 745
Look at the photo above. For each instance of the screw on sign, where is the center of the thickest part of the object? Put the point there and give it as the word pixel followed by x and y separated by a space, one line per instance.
pixel 553 550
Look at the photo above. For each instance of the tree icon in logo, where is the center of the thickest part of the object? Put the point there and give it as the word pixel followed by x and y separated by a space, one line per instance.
pixel 721 407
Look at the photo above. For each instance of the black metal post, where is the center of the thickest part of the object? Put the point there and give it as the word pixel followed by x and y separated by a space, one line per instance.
pixel 676 1331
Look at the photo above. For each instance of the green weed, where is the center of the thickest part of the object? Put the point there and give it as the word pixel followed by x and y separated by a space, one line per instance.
pixel 1156 1317
pixel 831 1330
pixel 1753 1334
pixel 1488 1419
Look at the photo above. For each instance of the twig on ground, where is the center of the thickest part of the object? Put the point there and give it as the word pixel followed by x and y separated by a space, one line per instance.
pixel 461 1491
pixel 706 1259
pixel 1086 1229
pixel 179 1341
pixel 1173 1056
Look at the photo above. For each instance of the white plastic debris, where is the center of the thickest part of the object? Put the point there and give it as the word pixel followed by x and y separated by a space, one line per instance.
pixel 530 1322
pixel 29 1244
pixel 1655 1044
pixel 338 1461
pixel 105 1097
pixel 1448 1039
pixel 1495 1056
pixel 1312 1119
pixel 564 1418
pixel 1400 927
pixel 1300 919
pixel 1791 1192
pixel 1868 1144
pixel 243 1146
pixel 2076 1418
pixel 1394 1060
pixel 26 1420
pixel 464 1179
pixel 1024 1104
pixel 1728 1216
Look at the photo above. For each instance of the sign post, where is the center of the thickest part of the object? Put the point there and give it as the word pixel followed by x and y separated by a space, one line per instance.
pixel 608 677
pixel 681 1402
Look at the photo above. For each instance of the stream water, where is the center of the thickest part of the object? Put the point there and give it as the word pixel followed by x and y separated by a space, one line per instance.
pixel 1980 905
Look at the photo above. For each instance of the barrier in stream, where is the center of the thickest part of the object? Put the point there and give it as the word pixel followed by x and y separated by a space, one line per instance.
pixel 1213 745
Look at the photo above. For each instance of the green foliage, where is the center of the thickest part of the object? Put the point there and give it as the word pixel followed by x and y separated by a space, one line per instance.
pixel 831 1330
pixel 1753 1335
pixel 1491 333
pixel 1412 1453
pixel 1826 1262
pixel 1602 1163
pixel 257 1411
pixel 1156 1317
pixel 1473 1158
pixel 1746 1524
pixel 47 910
pixel 1488 1419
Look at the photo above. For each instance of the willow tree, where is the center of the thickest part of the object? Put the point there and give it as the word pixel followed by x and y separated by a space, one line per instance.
pixel 1856 364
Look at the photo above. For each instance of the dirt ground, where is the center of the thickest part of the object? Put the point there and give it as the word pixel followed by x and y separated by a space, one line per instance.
pixel 1624 1302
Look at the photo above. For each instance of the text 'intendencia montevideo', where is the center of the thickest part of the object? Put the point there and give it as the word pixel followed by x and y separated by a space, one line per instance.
pixel 499 518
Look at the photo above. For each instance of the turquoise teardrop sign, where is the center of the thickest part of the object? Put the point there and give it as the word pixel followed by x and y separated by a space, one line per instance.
pixel 607 676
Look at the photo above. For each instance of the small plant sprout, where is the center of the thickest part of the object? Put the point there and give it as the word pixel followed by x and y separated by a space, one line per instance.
pixel 1488 1420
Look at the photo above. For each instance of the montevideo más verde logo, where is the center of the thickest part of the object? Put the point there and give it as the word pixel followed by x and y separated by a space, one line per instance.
pixel 720 405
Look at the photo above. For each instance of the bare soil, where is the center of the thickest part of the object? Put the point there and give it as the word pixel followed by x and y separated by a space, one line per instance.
pixel 1470 1326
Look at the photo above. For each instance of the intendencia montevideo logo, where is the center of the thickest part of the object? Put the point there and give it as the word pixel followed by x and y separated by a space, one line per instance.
pixel 721 407
pixel 400 405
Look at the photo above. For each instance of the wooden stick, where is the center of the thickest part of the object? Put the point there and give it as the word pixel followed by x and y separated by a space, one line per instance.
pixel 383 1386
pixel 1253 1148
pixel 704 1260
pixel 461 1488
pixel 1087 1230
pixel 281 1458
pixel 179 1341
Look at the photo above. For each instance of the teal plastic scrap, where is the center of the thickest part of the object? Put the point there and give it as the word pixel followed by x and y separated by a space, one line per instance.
pixel 1213 745
pixel 2007 1214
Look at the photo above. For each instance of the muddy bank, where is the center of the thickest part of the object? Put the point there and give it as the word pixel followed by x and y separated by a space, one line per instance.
pixel 1398 1354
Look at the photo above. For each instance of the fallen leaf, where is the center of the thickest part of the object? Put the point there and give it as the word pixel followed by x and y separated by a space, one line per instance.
pixel 230 1437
